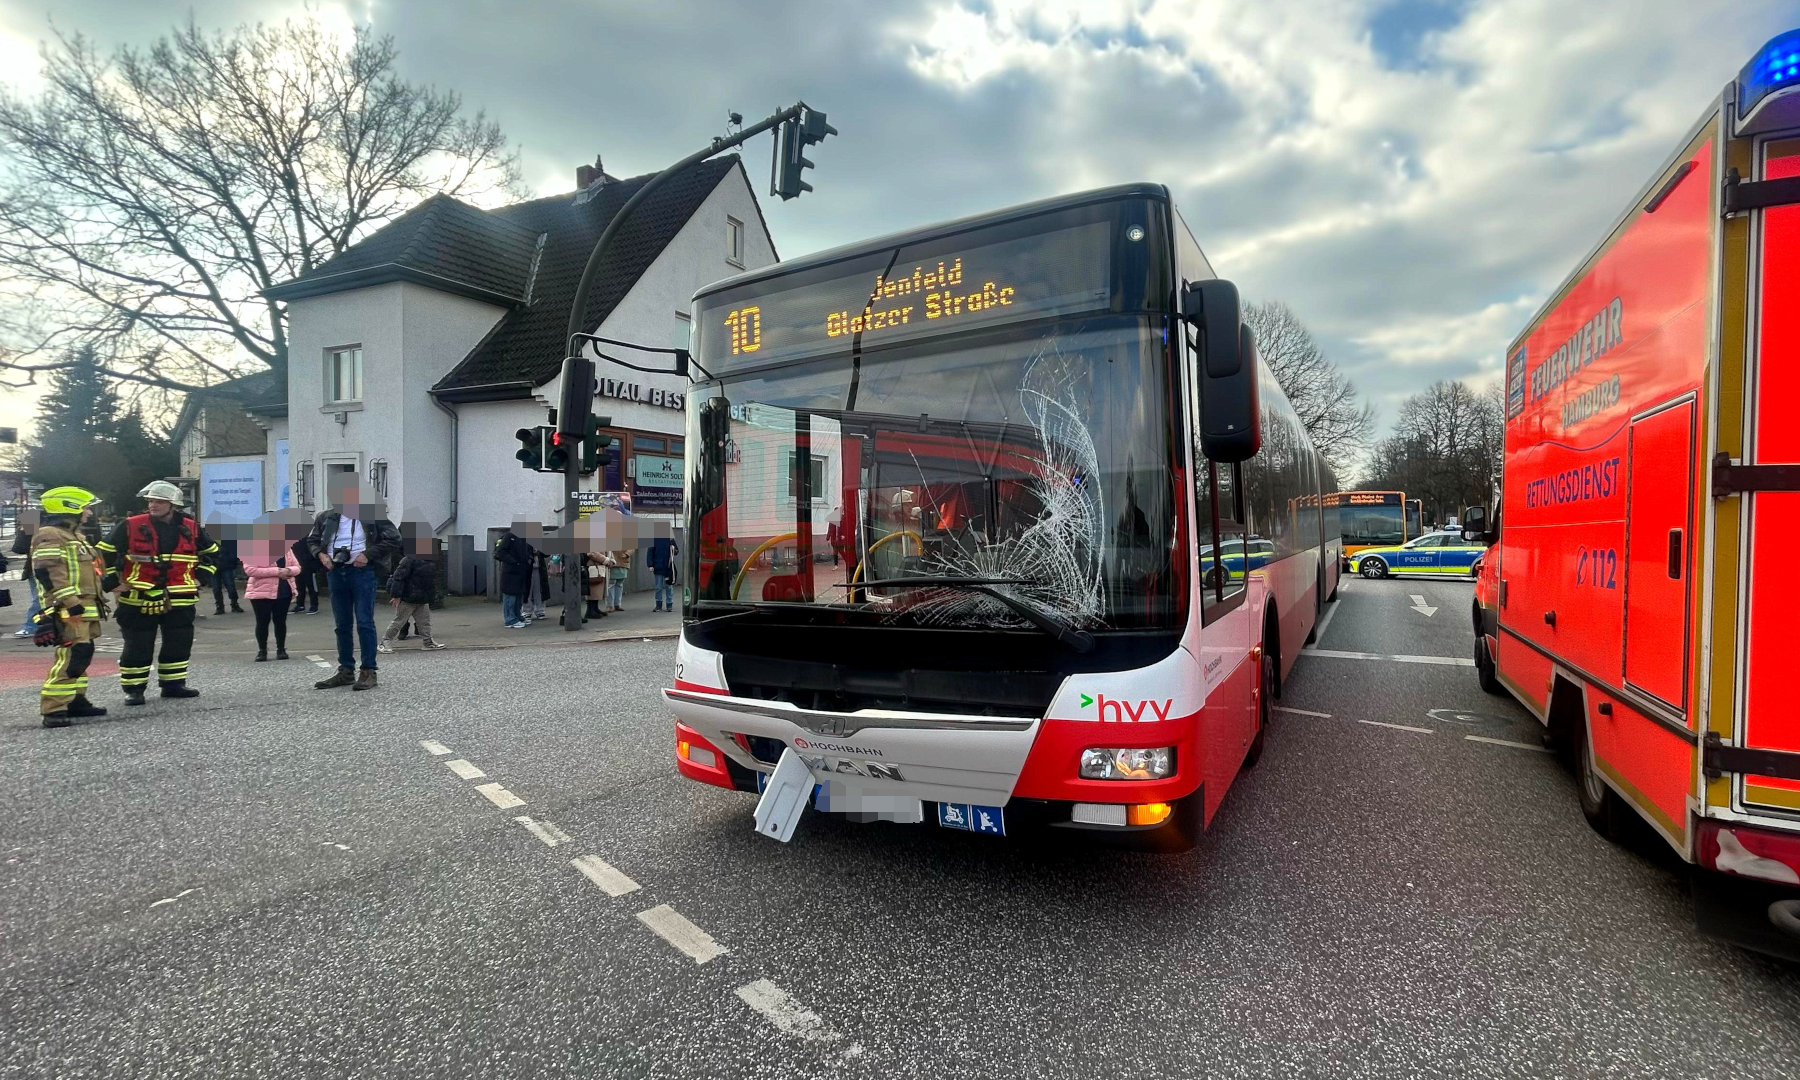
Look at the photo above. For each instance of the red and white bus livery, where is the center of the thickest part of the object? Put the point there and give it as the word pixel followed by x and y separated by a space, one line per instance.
pixel 1638 599
pixel 968 509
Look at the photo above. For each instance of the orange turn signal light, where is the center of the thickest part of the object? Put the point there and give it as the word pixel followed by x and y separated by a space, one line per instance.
pixel 1148 813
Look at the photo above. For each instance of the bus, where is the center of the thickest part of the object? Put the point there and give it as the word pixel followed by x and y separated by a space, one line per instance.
pixel 1376 519
pixel 972 508
pixel 1636 594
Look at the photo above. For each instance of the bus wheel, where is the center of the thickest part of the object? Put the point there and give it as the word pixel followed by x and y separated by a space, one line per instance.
pixel 1374 568
pixel 1484 668
pixel 1599 803
pixel 1265 691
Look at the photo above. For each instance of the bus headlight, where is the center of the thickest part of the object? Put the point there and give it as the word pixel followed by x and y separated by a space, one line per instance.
pixel 1128 764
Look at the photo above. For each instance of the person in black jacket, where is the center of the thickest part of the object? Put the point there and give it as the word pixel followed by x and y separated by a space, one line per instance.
pixel 353 542
pixel 412 587
pixel 514 555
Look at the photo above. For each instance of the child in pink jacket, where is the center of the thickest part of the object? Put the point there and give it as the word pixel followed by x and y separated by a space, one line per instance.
pixel 270 592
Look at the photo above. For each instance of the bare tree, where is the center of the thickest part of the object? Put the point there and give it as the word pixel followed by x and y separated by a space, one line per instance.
pixel 1445 449
pixel 1339 425
pixel 147 198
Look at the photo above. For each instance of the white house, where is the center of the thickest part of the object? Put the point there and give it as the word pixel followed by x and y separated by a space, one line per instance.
pixel 416 354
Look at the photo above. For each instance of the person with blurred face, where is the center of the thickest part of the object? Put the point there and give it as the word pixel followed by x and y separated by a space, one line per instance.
pixel 350 540
pixel 271 570
pixel 514 554
pixel 412 588
pixel 156 563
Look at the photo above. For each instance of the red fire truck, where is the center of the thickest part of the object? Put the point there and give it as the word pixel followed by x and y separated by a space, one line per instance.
pixel 1637 592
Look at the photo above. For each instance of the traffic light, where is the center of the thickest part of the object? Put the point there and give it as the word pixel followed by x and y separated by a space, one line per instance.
pixel 790 152
pixel 594 453
pixel 556 449
pixel 531 448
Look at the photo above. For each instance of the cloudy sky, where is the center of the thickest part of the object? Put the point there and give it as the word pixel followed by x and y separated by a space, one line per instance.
pixel 1411 176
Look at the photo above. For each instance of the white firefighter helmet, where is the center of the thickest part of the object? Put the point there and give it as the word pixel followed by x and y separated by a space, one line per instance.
pixel 162 489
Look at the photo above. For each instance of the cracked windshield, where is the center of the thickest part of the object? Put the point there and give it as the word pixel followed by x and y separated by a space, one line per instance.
pixel 976 481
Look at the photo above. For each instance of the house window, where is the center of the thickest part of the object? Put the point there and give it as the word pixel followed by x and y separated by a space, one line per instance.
pixel 816 477
pixel 303 484
pixel 195 444
pixel 378 476
pixel 684 325
pixel 734 241
pixel 344 374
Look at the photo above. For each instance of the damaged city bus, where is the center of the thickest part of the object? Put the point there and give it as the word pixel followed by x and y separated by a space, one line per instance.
pixel 964 506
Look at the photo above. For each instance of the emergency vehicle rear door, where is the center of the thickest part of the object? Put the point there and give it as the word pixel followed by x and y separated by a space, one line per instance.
pixel 1771 720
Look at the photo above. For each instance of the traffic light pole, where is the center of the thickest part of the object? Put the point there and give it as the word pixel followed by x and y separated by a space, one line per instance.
pixel 573 571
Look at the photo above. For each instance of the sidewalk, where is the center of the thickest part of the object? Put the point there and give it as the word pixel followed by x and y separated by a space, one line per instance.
pixel 465 622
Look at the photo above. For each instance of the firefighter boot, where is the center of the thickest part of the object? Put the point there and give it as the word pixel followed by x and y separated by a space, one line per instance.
pixel 134 695
pixel 179 689
pixel 59 718
pixel 81 706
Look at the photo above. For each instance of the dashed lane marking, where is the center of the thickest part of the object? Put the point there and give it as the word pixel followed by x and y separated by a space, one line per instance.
pixel 499 796
pixel 674 928
pixel 611 880
pixel 320 661
pixel 1302 712
pixel 545 831
pixel 464 769
pixel 434 748
pixel 177 896
pixel 1336 654
pixel 1509 742
pixel 1396 727
pixel 789 1016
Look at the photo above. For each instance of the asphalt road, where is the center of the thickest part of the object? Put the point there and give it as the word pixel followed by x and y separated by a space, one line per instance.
pixel 274 881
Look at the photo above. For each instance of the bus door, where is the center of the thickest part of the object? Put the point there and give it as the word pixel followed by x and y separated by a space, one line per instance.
pixel 1771 722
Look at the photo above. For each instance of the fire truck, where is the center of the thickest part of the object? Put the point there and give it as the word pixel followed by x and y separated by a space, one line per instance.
pixel 1637 590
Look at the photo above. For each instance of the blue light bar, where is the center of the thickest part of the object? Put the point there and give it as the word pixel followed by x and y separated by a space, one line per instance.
pixel 1776 66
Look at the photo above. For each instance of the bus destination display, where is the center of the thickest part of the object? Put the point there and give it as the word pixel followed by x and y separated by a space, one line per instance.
pixel 884 299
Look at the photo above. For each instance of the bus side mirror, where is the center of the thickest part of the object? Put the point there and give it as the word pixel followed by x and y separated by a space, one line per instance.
pixel 1475 525
pixel 1230 409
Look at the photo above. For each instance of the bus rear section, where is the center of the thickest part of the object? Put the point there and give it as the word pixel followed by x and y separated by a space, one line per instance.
pixel 1635 599
pixel 949 499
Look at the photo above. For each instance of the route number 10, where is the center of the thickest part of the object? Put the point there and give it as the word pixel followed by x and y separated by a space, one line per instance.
pixel 746 329
pixel 1598 567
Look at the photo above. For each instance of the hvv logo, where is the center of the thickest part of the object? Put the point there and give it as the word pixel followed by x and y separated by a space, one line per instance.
pixel 1128 711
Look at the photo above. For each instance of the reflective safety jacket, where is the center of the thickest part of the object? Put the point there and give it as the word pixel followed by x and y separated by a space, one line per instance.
pixel 160 565
pixel 65 568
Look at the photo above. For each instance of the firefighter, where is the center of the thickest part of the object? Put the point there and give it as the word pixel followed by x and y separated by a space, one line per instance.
pixel 157 562
pixel 63 565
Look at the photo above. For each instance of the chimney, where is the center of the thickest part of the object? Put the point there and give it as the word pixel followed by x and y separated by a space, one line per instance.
pixel 585 175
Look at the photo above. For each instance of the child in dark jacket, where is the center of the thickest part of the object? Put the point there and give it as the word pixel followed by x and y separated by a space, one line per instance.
pixel 412 586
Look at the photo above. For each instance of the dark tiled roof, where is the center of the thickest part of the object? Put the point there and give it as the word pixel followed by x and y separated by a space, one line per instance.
pixel 529 343
pixel 440 241
pixel 259 391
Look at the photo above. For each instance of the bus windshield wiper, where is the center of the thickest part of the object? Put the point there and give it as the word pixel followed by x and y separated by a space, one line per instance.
pixel 1036 614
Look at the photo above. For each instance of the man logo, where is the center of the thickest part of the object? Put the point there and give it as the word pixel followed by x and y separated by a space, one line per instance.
pixel 874 770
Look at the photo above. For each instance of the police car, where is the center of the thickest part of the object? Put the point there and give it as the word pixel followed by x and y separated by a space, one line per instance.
pixel 1439 554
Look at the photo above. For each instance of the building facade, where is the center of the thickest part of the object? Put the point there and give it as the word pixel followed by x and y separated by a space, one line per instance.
pixel 417 354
